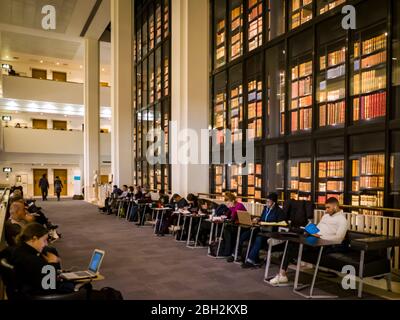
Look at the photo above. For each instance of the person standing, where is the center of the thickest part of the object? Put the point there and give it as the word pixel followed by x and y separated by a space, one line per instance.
pixel 58 186
pixel 44 187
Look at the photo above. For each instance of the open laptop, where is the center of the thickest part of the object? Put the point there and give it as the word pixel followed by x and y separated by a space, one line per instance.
pixel 245 218
pixel 93 269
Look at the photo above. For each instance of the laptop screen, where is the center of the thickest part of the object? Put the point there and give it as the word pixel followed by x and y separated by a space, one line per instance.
pixel 95 262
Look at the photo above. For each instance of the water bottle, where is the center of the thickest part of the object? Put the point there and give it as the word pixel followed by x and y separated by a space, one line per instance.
pixel 176 207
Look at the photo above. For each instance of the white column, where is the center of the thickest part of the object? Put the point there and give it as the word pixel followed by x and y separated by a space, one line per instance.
pixel 121 92
pixel 92 117
pixel 190 87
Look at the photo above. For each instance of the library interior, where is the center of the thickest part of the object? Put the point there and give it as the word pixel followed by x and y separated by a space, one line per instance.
pixel 265 134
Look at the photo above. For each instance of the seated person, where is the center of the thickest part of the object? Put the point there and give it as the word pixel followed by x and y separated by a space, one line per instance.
pixel 28 258
pixel 18 219
pixel 271 213
pixel 333 227
pixel 138 193
pixel 230 231
pixel 124 193
pixel 193 207
pixel 177 202
pixel 193 202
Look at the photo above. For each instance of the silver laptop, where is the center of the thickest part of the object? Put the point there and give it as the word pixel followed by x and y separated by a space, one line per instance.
pixel 93 269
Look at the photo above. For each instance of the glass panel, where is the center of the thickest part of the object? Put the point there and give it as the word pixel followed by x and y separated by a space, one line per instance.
pixel 330 179
pixel 368 181
pixel 396 62
pixel 235 173
pixel 139 43
pixel 144 83
pixel 368 81
pixel 151 79
pixel 145 36
pixel 166 69
pixel 331 89
pixel 255 97
pixel 236 103
pixel 139 86
pixel 276 74
pixel 151 28
pixel 166 18
pixel 395 170
pixel 324 6
pixel 158 23
pixel 254 180
pixel 275 170
pixel 220 106
pixel 219 179
pixel 301 101
pixel 299 179
pixel 220 33
pixel 301 11
pixel 158 74
pixel 255 23
pixel 236 29
pixel 276 18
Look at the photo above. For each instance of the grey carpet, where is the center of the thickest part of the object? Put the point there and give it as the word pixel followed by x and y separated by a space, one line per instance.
pixel 144 267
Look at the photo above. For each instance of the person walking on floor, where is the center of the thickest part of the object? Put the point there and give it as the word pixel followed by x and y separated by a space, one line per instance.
pixel 58 186
pixel 44 187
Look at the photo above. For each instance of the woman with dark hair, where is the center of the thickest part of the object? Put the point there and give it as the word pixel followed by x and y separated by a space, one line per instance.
pixel 31 256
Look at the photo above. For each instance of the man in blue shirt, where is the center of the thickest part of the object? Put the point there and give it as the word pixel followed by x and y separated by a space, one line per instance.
pixel 272 213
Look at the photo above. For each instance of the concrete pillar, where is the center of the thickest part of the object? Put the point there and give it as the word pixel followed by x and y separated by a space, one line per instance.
pixel 121 92
pixel 190 88
pixel 92 117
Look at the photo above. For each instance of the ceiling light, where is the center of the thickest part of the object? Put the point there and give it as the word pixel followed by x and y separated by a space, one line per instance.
pixel 7 57
pixel 81 67
pixel 41 61
pixel 49 106
pixel 69 109
pixel 33 105
pixel 103 69
pixel 58 63
pixel 12 104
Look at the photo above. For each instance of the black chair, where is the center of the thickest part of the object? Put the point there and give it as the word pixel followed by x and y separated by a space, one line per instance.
pixel 9 277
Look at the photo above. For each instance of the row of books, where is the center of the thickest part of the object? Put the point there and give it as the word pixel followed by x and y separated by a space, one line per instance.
pixel 336 72
pixel 369 200
pixel 329 6
pixel 374 44
pixel 166 18
pixel 255 129
pixel 372 80
pixel 166 76
pixel 331 169
pixel 305 118
pixel 237 45
pixel 373 60
pixel 369 107
pixel 255 110
pixel 254 181
pixel 372 165
pixel 332 95
pixel 322 199
pixel 255 168
pixel 331 186
pixel 252 3
pixel 297 3
pixel 372 182
pixel 302 88
pixel 302 70
pixel 332 114
pixel 334 58
pixel 301 17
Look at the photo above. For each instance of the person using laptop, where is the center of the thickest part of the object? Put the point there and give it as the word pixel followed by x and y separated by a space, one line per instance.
pixel 29 257
pixel 271 213
pixel 333 227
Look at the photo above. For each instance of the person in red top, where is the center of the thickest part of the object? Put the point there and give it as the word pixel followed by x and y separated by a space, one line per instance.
pixel 231 230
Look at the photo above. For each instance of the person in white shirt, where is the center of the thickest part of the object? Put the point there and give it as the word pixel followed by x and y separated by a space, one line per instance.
pixel 333 227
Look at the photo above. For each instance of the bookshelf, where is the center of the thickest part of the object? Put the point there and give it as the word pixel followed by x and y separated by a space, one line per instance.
pixel 220 116
pixel 330 180
pixel 255 24
pixel 151 79
pixel 331 90
pixel 219 178
pixel 158 23
pixel 301 101
pixel 158 75
pixel 166 18
pixel 151 31
pixel 369 93
pixel 368 181
pixel 145 35
pixel 235 113
pixel 139 44
pixel 254 181
pixel 220 51
pixel 300 180
pixel 236 32
pixel 158 173
pixel 166 72
pixel 236 179
pixel 327 5
pixel 301 11
pixel 255 109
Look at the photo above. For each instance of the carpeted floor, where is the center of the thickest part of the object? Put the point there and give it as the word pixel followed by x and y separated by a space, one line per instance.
pixel 144 267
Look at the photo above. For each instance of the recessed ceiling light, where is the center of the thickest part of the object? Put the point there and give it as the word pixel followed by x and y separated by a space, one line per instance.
pixel 58 63
pixel 103 69
pixel 41 61
pixel 81 67
pixel 12 104
pixel 7 57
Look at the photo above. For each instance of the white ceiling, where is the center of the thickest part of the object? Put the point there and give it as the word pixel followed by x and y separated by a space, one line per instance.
pixel 21 32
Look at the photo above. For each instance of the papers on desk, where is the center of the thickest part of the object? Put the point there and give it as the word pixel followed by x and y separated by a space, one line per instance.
pixel 274 224
pixel 219 219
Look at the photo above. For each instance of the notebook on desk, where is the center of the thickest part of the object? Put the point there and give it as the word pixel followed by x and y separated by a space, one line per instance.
pixel 93 269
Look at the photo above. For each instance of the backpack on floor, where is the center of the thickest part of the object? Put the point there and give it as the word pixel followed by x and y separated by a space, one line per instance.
pixel 214 248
